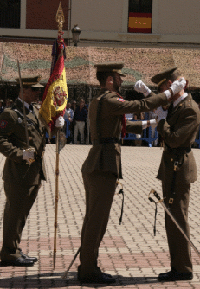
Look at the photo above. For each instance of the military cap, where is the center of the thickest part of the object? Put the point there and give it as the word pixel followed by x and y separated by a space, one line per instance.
pixel 161 77
pixel 32 81
pixel 110 67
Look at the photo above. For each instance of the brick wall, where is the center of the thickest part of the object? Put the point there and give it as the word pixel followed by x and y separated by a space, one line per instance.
pixel 41 14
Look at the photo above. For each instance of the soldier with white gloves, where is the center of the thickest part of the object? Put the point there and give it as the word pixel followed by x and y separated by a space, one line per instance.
pixel 24 168
pixel 169 90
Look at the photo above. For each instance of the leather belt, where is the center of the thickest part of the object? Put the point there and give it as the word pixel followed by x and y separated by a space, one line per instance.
pixel 178 151
pixel 106 140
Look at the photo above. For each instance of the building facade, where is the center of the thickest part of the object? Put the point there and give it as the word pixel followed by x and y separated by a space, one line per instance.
pixel 149 36
pixel 30 20
pixel 132 22
pixel 105 22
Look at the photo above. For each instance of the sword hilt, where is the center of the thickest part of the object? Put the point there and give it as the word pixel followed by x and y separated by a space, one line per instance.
pixel 172 219
pixel 153 192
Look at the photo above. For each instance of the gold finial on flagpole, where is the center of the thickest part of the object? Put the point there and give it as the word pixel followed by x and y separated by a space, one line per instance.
pixel 60 19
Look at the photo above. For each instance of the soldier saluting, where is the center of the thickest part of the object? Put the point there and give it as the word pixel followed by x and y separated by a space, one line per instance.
pixel 102 168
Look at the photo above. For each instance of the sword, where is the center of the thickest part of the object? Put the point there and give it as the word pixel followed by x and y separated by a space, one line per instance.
pixel 160 201
pixel 70 265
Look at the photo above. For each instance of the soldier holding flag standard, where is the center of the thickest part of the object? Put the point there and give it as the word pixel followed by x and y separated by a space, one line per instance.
pixel 54 102
pixel 22 142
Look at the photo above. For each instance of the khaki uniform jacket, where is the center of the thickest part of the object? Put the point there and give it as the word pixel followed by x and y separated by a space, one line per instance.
pixel 107 157
pixel 13 141
pixel 180 130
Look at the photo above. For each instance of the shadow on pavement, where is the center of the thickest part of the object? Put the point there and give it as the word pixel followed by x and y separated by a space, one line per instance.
pixel 53 280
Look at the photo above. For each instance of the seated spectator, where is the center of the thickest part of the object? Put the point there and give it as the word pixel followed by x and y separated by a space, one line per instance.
pixel 80 118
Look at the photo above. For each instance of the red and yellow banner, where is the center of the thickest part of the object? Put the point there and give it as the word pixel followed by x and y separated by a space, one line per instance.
pixel 140 22
pixel 55 96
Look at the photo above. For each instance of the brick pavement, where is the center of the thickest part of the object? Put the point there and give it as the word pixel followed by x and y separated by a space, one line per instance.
pixel 128 251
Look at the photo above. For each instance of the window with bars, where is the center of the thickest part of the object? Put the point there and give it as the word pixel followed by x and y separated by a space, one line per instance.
pixel 10 13
pixel 140 16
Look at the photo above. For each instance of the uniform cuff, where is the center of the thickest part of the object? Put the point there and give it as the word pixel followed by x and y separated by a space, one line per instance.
pixel 168 94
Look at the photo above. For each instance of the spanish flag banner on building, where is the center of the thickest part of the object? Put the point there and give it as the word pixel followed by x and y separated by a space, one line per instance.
pixel 55 96
pixel 140 22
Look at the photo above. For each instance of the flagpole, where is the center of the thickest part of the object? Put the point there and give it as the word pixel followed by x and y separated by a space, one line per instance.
pixel 56 196
pixel 60 19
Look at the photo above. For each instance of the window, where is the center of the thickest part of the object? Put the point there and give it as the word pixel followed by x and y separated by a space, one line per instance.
pixel 10 13
pixel 140 16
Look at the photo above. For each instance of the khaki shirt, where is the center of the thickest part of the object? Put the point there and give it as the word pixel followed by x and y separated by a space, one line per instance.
pixel 107 157
pixel 180 130
pixel 13 142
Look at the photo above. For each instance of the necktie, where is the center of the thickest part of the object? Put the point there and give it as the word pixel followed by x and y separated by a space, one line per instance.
pixel 169 111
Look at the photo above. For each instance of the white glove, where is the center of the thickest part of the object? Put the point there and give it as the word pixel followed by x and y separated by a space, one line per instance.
pixel 142 88
pixel 59 122
pixel 29 155
pixel 178 85
pixel 153 123
pixel 147 123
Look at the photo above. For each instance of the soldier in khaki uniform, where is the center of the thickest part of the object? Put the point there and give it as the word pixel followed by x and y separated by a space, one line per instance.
pixel 23 169
pixel 178 131
pixel 102 167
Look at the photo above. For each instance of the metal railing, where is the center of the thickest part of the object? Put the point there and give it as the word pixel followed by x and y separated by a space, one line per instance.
pixel 146 136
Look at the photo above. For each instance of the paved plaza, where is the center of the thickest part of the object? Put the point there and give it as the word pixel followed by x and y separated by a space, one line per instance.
pixel 129 251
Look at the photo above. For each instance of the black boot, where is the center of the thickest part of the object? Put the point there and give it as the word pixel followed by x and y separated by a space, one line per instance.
pixel 19 262
pixel 174 275
pixel 96 277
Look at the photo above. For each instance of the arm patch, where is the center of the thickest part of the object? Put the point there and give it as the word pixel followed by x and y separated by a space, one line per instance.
pixel 121 99
pixel 3 124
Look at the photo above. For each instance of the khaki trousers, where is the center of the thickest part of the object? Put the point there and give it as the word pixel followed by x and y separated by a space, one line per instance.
pixel 19 201
pixel 99 188
pixel 179 248
pixel 79 126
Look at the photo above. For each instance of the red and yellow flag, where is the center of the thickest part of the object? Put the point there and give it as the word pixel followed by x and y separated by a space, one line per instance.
pixel 140 22
pixel 55 96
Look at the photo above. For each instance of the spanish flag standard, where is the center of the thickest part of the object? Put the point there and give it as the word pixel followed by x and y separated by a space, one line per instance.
pixel 55 96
